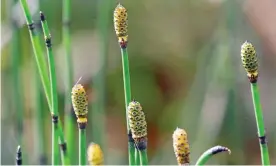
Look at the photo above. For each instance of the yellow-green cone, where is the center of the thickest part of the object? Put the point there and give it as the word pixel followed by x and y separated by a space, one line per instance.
pixel 95 154
pixel 137 121
pixel 181 146
pixel 79 100
pixel 249 61
pixel 121 24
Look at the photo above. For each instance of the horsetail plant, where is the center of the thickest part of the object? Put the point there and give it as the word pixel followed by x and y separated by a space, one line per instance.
pixel 39 122
pixel 52 73
pixel 17 90
pixel 42 66
pixel 95 154
pixel 80 105
pixel 41 63
pixel 98 83
pixel 18 158
pixel 250 64
pixel 138 127
pixel 181 147
pixel 210 152
pixel 120 26
pixel 69 117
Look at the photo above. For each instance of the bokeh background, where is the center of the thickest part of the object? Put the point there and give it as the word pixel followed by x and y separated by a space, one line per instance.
pixel 185 70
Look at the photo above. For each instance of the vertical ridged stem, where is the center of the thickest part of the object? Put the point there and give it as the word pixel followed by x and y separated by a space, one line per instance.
pixel 17 88
pixel 143 157
pixel 260 124
pixel 70 129
pixel 39 123
pixel 39 56
pixel 82 146
pixel 52 74
pixel 137 157
pixel 209 153
pixel 127 91
pixel 98 106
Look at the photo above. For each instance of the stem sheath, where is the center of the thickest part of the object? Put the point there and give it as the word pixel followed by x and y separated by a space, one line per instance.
pixel 260 123
pixel 82 146
pixel 127 91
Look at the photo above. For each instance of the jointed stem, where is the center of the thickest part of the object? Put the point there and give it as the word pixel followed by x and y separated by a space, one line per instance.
pixel 41 63
pixel 82 146
pixel 260 124
pixel 52 73
pixel 127 90
pixel 69 117
pixel 210 152
pixel 143 157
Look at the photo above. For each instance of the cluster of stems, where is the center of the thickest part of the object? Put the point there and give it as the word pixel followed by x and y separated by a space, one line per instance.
pixel 250 63
pixel 48 82
pixel 135 118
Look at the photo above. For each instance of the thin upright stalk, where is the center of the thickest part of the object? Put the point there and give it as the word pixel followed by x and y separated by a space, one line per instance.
pixel 39 123
pixel 120 19
pixel 99 82
pixel 70 129
pixel 137 157
pixel 39 57
pixel 250 63
pixel 210 152
pixel 127 91
pixel 52 73
pixel 260 124
pixel 80 105
pixel 143 157
pixel 82 146
pixel 17 88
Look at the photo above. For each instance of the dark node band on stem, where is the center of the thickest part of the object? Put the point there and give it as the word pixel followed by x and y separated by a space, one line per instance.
pixel 82 126
pixel 55 119
pixel 31 26
pixel 82 121
pixel 263 140
pixel 43 160
pixel 18 156
pixel 123 43
pixel 19 128
pixel 252 78
pixel 48 42
pixel 141 143
pixel 66 23
pixel 63 146
pixel 42 16
pixel 130 139
pixel 219 149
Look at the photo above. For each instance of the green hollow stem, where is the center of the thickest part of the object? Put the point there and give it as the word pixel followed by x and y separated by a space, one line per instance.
pixel 41 63
pixel 39 123
pixel 52 74
pixel 97 114
pixel 127 91
pixel 260 123
pixel 209 153
pixel 143 157
pixel 137 157
pixel 70 121
pixel 39 56
pixel 17 89
pixel 82 146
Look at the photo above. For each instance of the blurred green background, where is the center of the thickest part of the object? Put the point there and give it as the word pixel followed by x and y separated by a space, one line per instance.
pixel 185 70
